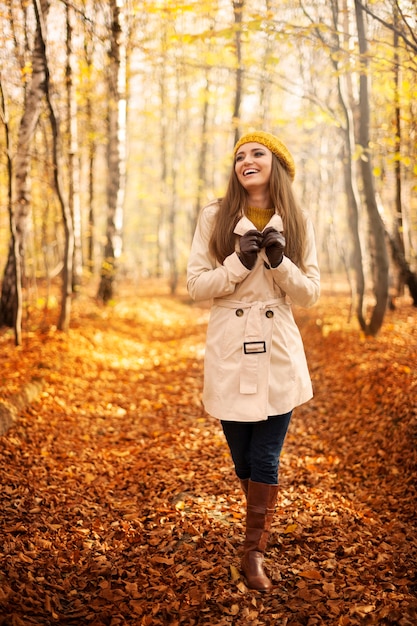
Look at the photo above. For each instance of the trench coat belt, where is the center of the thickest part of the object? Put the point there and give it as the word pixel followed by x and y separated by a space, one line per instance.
pixel 254 341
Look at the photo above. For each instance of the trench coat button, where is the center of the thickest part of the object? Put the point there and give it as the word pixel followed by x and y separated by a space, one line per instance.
pixel 269 313
pixel 239 312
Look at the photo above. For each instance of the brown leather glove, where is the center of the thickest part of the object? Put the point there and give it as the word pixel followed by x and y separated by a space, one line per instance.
pixel 274 244
pixel 250 244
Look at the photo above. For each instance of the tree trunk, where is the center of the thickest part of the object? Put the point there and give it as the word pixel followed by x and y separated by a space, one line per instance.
pixel 91 216
pixel 398 192
pixel 41 8
pixel 163 135
pixel 377 231
pixel 353 211
pixel 21 204
pixel 115 157
pixel 350 177
pixel 91 151
pixel 72 151
pixel 238 14
pixel 202 155
pixel 173 204
pixel 408 277
pixel 16 279
pixel 266 110
pixel 405 275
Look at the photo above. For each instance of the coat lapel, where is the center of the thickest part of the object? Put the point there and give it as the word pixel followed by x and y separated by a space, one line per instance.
pixel 244 224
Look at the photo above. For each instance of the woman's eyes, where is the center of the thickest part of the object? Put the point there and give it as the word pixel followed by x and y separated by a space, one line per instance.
pixel 258 153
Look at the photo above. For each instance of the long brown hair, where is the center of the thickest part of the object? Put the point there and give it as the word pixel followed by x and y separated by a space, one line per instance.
pixel 234 203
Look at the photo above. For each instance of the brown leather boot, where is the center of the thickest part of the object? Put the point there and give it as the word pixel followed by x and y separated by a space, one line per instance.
pixel 244 483
pixel 260 508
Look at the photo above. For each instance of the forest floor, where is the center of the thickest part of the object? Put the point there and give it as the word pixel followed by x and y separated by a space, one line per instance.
pixel 119 504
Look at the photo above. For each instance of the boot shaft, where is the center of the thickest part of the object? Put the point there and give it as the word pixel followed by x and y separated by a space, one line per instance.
pixel 244 483
pixel 260 508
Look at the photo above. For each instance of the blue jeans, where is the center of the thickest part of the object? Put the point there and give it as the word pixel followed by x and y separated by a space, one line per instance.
pixel 256 447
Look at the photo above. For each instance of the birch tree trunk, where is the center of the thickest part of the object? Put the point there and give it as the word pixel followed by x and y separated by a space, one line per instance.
pixel 377 231
pixel 115 154
pixel 21 201
pixel 41 8
pixel 72 151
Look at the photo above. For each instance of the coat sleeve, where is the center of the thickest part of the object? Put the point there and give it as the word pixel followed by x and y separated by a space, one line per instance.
pixel 303 288
pixel 206 278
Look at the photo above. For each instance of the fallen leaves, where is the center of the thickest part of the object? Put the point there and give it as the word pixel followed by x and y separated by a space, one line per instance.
pixel 119 504
pixel 311 574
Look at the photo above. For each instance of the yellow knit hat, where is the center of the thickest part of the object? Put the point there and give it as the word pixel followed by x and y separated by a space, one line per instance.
pixel 274 144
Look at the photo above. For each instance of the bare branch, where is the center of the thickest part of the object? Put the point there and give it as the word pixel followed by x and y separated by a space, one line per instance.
pixel 400 33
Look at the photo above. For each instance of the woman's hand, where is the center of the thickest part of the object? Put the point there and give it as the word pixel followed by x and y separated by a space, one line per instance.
pixel 250 244
pixel 274 244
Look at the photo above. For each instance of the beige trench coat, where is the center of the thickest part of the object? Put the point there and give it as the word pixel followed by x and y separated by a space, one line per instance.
pixel 254 364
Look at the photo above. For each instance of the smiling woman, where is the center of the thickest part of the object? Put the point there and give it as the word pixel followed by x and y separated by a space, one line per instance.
pixel 254 253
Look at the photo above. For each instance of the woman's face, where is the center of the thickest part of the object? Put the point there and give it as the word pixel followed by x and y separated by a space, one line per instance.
pixel 253 164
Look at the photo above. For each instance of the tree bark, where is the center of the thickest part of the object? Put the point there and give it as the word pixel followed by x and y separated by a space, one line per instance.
pixel 350 178
pixel 238 14
pixel 115 158
pixel 202 154
pixel 173 204
pixel 408 277
pixel 377 231
pixel 163 135
pixel 397 163
pixel 266 110
pixel 21 174
pixel 16 279
pixel 72 151
pixel 91 152
pixel 405 275
pixel 41 8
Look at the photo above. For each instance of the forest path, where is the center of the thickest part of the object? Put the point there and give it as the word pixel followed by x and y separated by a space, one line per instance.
pixel 118 500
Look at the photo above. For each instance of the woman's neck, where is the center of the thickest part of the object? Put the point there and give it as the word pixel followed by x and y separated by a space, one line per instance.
pixel 260 201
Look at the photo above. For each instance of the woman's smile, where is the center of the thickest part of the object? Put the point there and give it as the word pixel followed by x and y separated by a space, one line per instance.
pixel 250 171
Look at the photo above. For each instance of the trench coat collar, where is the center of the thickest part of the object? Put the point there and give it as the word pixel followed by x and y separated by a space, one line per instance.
pixel 244 224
